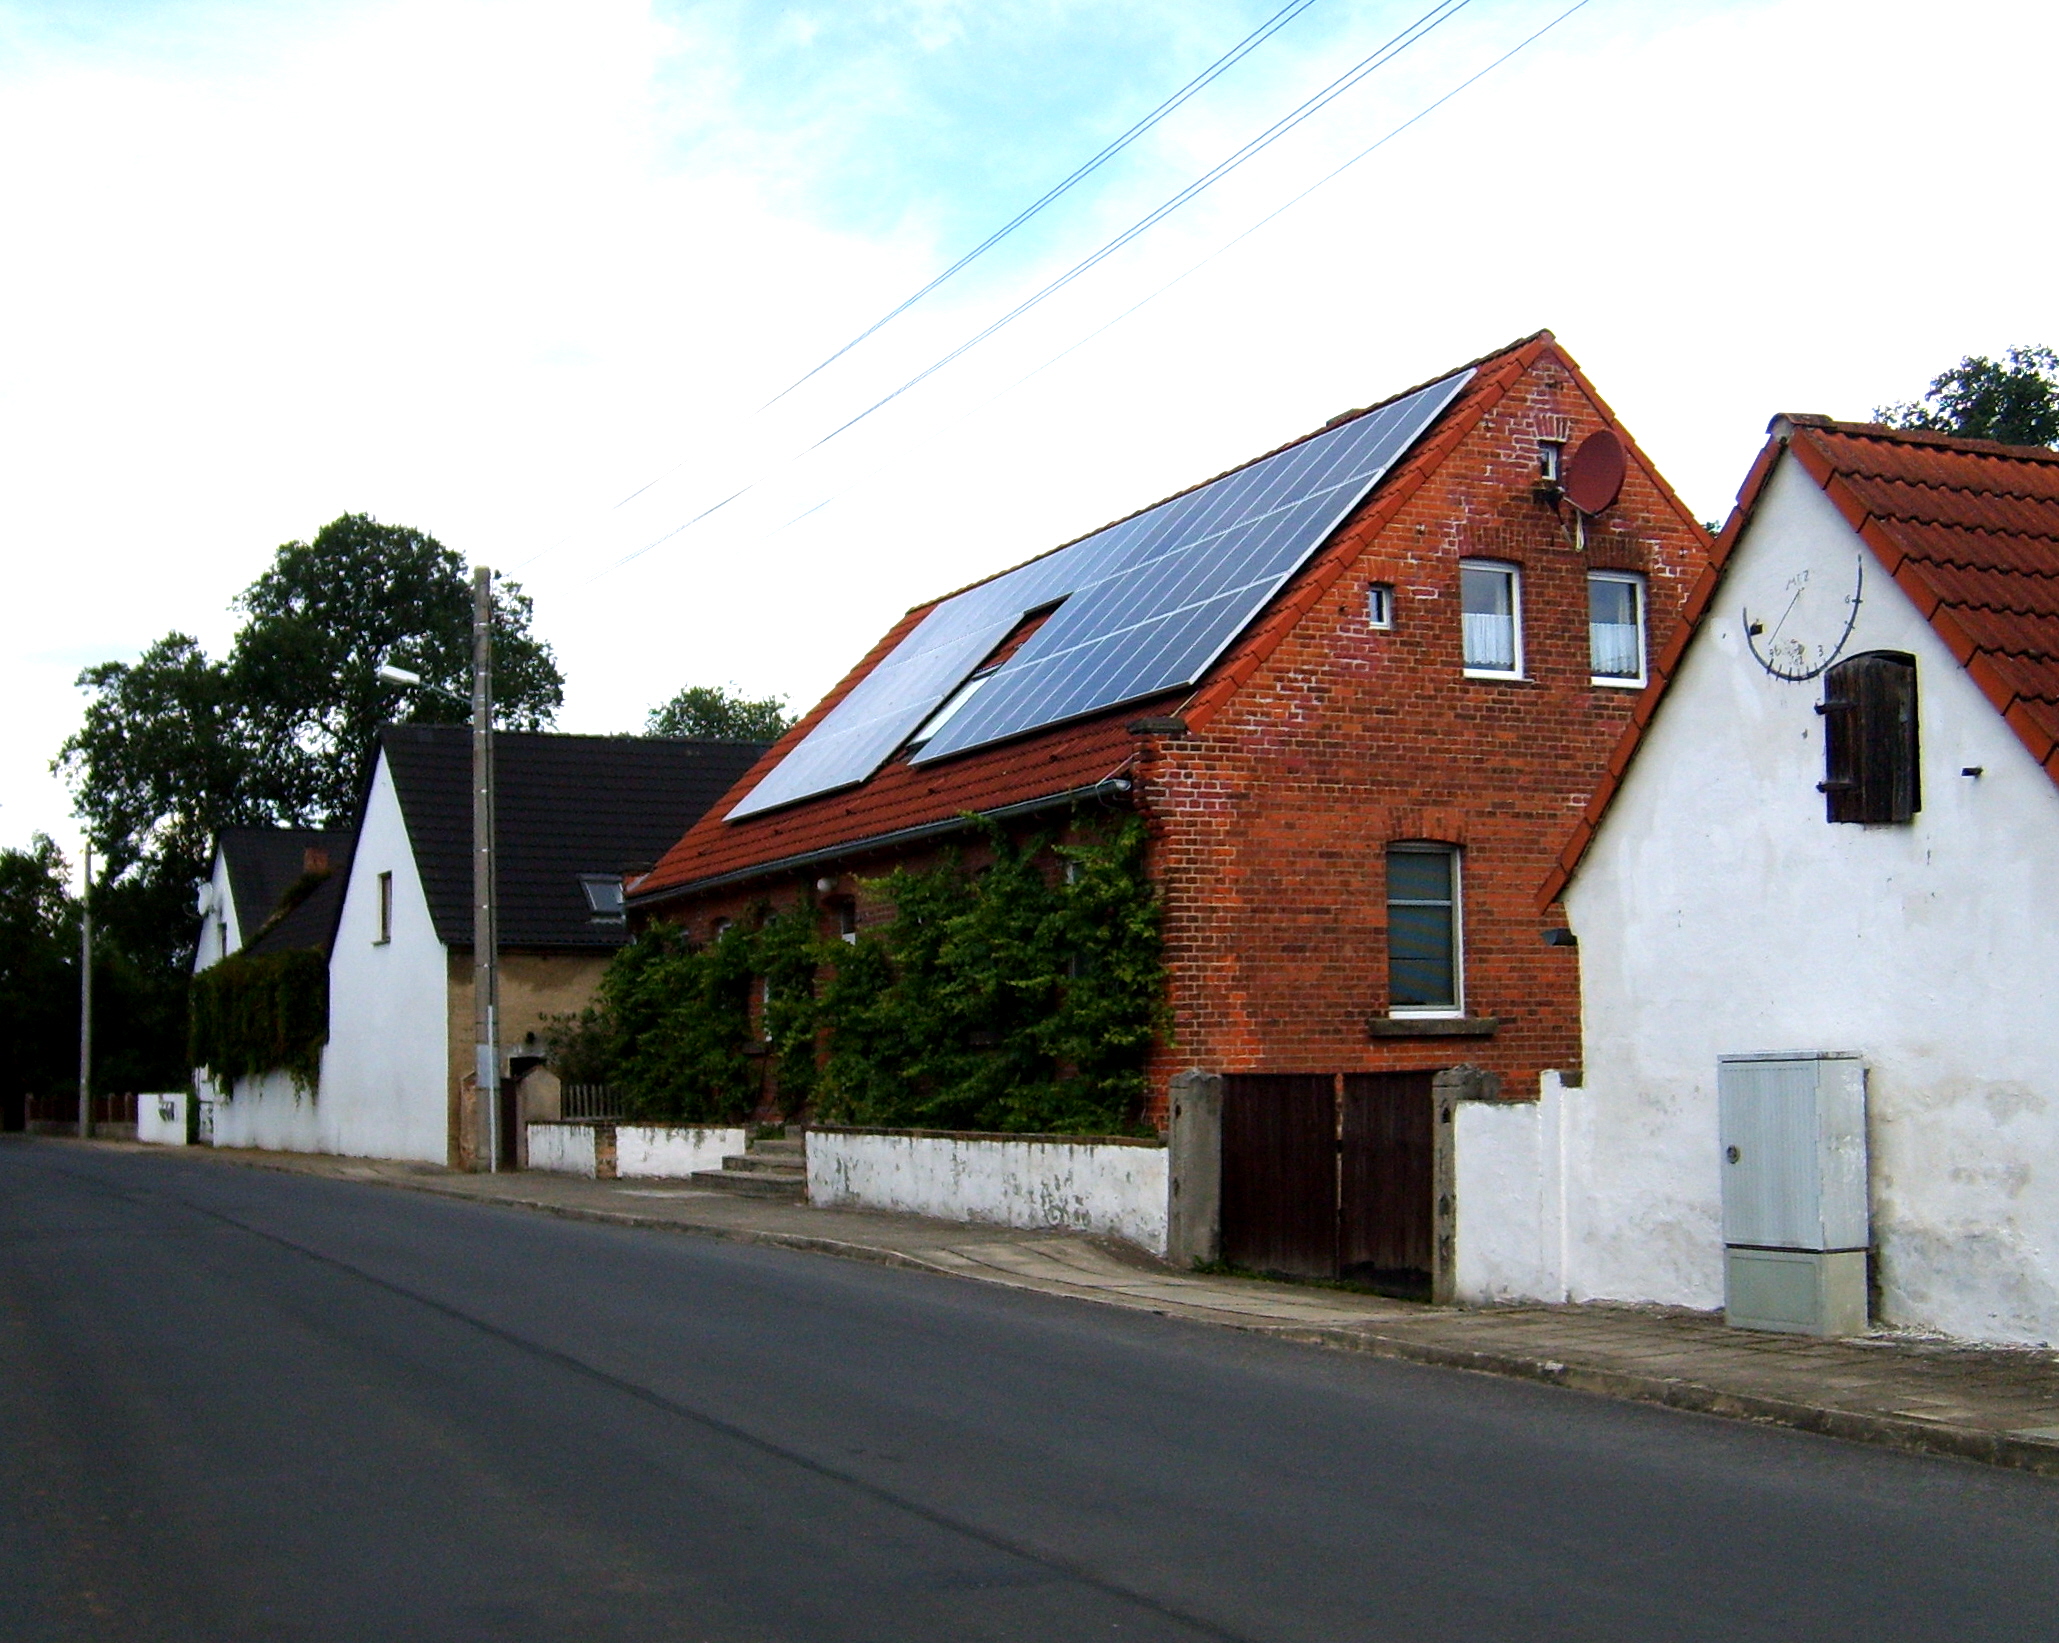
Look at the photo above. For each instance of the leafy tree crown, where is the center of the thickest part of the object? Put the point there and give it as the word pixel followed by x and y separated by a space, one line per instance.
pixel 720 713
pixel 2014 401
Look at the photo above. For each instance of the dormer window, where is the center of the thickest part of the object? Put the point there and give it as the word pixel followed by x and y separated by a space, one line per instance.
pixel 604 897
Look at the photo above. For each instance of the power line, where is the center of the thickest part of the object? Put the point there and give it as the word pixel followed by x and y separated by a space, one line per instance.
pixel 1321 182
pixel 1281 210
pixel 1229 60
pixel 1437 15
pixel 1236 54
pixel 1432 19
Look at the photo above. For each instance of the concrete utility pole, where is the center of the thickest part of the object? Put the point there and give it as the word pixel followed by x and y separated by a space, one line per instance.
pixel 485 909
pixel 86 1000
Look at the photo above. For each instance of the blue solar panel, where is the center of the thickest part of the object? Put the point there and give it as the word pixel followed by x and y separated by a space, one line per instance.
pixel 1149 604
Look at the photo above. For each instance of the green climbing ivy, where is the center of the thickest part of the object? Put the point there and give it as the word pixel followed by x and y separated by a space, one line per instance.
pixel 257 1014
pixel 1021 996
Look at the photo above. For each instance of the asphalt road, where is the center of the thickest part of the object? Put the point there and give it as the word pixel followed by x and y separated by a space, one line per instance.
pixel 235 1404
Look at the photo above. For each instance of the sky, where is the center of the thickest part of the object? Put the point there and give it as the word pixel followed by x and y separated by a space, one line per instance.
pixel 524 274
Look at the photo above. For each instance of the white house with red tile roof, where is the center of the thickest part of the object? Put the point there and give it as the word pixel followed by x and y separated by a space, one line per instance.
pixel 1833 826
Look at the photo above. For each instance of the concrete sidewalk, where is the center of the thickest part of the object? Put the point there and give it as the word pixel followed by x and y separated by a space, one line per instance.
pixel 1995 1405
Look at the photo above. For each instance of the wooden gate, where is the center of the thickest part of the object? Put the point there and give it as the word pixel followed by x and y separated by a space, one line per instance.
pixel 1280 1173
pixel 1328 1177
pixel 1388 1164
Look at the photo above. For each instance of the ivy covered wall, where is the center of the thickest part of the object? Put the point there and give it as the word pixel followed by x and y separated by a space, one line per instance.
pixel 253 1015
pixel 1021 993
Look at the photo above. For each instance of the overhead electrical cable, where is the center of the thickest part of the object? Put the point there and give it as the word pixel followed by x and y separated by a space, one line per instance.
pixel 1437 15
pixel 1431 20
pixel 1278 211
pixel 1281 210
pixel 1229 60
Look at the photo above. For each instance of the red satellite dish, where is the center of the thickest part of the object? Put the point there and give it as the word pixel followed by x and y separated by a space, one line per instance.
pixel 1594 473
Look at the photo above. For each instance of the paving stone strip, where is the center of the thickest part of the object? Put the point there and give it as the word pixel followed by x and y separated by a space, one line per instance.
pixel 1995 1405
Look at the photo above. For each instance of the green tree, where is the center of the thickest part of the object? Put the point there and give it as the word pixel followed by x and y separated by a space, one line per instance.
pixel 177 745
pixel 39 977
pixel 720 713
pixel 2014 401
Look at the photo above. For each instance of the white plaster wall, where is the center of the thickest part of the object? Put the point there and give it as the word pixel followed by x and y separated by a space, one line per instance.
pixel 219 932
pixel 270 1114
pixel 1509 1184
pixel 384 1073
pixel 1089 1186
pixel 161 1118
pixel 670 1150
pixel 562 1149
pixel 1719 913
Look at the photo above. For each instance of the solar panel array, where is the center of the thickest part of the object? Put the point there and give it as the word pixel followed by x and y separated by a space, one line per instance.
pixel 1149 604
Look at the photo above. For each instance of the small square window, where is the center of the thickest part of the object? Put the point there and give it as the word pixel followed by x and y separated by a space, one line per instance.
pixel 604 897
pixel 1491 615
pixel 1550 455
pixel 1615 627
pixel 1380 605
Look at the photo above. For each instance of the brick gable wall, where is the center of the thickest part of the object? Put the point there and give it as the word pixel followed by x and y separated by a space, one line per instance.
pixel 1272 818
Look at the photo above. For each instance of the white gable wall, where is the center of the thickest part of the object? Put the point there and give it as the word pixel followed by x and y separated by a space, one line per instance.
pixel 219 933
pixel 1719 913
pixel 384 1074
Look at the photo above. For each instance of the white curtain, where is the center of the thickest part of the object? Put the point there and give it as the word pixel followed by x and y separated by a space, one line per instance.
pixel 1490 642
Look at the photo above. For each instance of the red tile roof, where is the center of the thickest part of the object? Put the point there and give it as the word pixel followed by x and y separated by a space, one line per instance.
pixel 1968 529
pixel 1069 757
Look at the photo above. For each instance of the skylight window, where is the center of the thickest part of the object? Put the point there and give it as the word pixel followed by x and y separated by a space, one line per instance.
pixel 953 703
pixel 603 897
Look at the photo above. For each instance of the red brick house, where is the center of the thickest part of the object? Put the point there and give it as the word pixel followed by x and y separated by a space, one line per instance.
pixel 1391 734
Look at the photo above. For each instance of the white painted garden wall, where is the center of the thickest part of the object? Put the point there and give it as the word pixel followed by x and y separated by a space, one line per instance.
pixel 161 1118
pixel 562 1148
pixel 1090 1185
pixel 384 1084
pixel 646 1151
pixel 1719 913
pixel 669 1151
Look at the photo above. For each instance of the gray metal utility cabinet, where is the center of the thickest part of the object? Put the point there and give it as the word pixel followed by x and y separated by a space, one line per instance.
pixel 1795 1221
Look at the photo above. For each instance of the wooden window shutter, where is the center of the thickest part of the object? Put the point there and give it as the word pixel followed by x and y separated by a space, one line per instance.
pixel 1871 769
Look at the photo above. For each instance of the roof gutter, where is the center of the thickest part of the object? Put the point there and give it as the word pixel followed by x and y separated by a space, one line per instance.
pixel 1113 787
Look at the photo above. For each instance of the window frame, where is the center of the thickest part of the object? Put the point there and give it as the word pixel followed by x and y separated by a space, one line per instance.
pixel 1514 573
pixel 1637 581
pixel 1456 1009
pixel 385 936
pixel 1380 606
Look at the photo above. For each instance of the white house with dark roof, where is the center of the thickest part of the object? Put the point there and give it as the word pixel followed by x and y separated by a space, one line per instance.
pixel 573 813
pixel 254 871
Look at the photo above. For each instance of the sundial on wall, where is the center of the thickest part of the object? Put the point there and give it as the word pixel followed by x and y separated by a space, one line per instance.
pixel 1812 628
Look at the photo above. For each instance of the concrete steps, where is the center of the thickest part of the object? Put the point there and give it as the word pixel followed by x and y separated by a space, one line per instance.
pixel 769 1167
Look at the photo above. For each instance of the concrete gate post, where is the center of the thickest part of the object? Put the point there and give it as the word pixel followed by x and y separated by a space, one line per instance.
pixel 1447 1090
pixel 1194 1216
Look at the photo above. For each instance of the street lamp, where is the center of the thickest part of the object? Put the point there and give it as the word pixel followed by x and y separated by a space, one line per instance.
pixel 485 891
